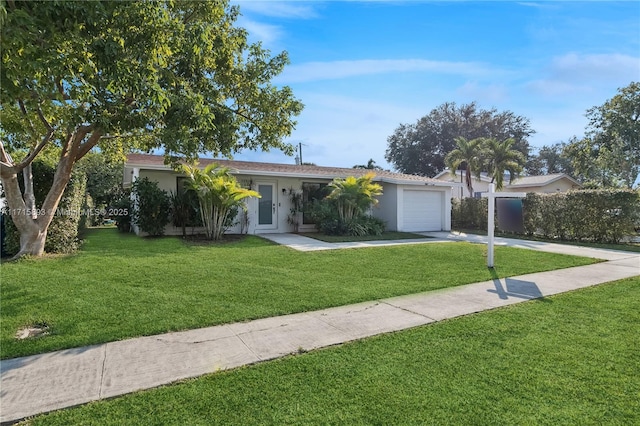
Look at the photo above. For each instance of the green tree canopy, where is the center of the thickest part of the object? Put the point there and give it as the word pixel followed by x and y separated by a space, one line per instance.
pixel 421 148
pixel 613 135
pixel 120 75
pixel 549 159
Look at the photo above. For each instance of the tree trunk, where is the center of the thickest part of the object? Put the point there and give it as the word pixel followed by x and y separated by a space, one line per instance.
pixel 33 223
pixel 32 242
pixel 29 196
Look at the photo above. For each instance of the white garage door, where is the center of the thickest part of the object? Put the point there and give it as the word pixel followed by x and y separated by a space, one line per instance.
pixel 422 211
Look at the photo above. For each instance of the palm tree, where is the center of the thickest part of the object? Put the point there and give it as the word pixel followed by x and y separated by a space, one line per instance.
pixel 468 154
pixel 371 165
pixel 354 196
pixel 218 193
pixel 499 156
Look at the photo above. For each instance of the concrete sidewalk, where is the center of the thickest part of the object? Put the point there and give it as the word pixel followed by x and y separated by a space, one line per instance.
pixel 46 382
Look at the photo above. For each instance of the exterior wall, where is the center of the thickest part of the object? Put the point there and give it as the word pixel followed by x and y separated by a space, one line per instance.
pixel 387 207
pixel 167 180
pixel 282 200
pixel 461 192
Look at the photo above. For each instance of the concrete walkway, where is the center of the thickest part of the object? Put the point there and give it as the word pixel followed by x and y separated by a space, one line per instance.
pixel 46 382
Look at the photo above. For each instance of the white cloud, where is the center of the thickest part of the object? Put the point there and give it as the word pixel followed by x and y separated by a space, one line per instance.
pixel 279 9
pixel 573 73
pixel 333 70
pixel 267 34
pixel 596 67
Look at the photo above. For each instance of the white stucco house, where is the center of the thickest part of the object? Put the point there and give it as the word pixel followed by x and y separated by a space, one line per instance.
pixel 546 184
pixel 409 203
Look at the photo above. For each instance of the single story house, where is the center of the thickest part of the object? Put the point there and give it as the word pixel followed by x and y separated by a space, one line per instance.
pixel 408 203
pixel 546 184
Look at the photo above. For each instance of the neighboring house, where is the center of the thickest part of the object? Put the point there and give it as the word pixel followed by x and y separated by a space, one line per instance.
pixel 409 203
pixel 557 182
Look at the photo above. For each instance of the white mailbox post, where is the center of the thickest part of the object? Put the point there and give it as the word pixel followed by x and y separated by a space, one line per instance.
pixel 492 195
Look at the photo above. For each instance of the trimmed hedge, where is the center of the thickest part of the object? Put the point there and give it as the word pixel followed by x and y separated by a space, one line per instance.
pixel 62 235
pixel 469 213
pixel 602 215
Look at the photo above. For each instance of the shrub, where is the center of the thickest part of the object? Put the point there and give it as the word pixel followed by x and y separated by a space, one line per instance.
pixel 604 215
pixel 121 209
pixel 152 207
pixel 219 194
pixel 328 221
pixel 469 213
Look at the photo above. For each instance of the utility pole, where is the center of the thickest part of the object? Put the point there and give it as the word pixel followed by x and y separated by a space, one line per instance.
pixel 300 151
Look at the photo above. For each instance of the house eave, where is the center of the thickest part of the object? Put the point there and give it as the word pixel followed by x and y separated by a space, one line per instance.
pixel 302 175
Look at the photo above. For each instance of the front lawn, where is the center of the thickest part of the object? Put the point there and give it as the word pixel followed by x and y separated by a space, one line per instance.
pixel 122 286
pixel 566 359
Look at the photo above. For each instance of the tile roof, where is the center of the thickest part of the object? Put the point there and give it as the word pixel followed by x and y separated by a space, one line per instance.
pixel 147 161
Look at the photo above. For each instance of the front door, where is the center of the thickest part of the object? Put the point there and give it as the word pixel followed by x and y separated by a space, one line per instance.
pixel 267 210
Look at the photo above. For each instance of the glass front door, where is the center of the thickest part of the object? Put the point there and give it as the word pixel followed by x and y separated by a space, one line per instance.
pixel 266 206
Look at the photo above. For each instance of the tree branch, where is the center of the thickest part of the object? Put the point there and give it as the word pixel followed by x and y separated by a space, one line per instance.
pixel 61 90
pixel 241 114
pixel 87 146
pixel 44 121
pixel 26 115
pixel 32 155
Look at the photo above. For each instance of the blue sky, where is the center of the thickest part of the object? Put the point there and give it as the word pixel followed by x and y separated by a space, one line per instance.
pixel 364 67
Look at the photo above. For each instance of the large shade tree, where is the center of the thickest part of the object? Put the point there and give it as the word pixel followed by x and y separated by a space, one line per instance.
pixel 609 154
pixel 421 148
pixel 118 75
pixel 549 159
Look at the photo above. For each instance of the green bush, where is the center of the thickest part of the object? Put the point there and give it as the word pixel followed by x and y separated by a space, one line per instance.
pixel 120 210
pixel 469 213
pixel 365 225
pixel 327 220
pixel 151 212
pixel 604 215
pixel 62 235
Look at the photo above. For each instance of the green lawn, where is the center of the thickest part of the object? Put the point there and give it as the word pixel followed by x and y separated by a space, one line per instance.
pixel 122 286
pixel 567 359
pixel 391 235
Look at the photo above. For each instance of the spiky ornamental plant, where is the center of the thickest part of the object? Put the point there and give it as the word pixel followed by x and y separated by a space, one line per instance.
pixel 353 196
pixel 218 193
